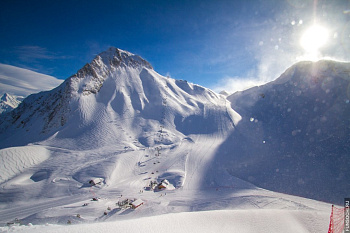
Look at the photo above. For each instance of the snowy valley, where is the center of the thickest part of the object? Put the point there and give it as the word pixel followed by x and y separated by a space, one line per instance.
pixel 272 158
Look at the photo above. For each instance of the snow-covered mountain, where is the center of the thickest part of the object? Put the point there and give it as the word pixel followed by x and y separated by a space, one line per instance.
pixel 119 122
pixel 115 104
pixel 118 99
pixel 9 102
pixel 294 136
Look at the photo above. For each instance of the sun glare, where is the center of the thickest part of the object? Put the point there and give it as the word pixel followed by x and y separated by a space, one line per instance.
pixel 313 39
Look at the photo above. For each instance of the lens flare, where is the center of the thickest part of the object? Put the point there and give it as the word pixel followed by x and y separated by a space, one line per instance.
pixel 314 38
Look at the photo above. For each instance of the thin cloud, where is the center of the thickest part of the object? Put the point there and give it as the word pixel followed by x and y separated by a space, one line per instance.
pixel 35 53
pixel 234 84
pixel 23 82
pixel 168 74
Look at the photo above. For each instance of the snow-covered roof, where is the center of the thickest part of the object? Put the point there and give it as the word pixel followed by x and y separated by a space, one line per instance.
pixel 96 180
pixel 165 181
pixel 137 202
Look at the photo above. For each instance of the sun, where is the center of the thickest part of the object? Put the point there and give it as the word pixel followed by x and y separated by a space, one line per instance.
pixel 313 39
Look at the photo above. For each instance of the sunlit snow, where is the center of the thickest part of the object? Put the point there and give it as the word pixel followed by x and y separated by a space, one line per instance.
pixel 72 157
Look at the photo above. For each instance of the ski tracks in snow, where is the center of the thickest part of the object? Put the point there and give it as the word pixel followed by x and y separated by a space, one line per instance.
pixel 24 211
pixel 202 151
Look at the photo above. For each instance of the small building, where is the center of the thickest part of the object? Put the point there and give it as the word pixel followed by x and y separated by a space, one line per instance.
pixel 163 184
pixel 153 185
pixel 124 204
pixel 95 181
pixel 136 203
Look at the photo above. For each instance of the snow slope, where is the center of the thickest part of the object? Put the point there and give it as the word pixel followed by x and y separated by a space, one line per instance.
pixel 243 221
pixel 118 99
pixel 119 121
pixel 13 161
pixel 109 120
pixel 294 133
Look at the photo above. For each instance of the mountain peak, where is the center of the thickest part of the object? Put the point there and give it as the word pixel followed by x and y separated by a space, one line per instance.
pixel 92 76
pixel 9 102
pixel 8 98
pixel 5 97
pixel 118 57
pixel 224 93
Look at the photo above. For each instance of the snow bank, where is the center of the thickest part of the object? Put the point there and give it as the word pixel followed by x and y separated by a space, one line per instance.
pixel 15 160
pixel 262 221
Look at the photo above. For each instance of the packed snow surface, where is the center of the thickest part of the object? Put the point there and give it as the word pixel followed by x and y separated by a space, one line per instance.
pixel 15 160
pixel 242 221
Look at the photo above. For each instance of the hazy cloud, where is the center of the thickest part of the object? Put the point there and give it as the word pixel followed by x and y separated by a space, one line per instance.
pixel 233 84
pixel 23 82
pixel 33 53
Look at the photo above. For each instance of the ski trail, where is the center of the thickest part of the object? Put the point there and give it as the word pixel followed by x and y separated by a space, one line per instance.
pixel 23 211
pixel 197 160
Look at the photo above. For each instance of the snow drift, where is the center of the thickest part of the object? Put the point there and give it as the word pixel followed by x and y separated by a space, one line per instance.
pixel 13 161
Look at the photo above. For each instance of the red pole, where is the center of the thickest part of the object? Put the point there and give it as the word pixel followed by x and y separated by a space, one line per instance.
pixel 331 224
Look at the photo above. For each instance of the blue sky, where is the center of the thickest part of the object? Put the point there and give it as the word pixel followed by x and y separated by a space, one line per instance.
pixel 217 44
